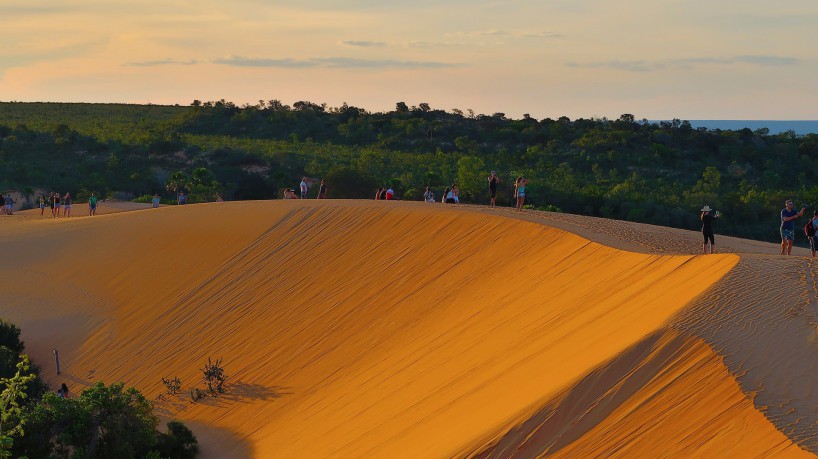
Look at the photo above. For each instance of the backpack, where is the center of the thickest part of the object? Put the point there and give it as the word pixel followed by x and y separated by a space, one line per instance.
pixel 809 229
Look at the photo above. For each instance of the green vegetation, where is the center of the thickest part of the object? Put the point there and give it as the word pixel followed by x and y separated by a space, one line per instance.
pixel 101 422
pixel 660 173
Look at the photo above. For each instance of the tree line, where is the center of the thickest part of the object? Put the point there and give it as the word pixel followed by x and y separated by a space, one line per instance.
pixel 623 168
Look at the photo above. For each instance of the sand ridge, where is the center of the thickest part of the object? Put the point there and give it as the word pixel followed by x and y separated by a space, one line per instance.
pixel 355 328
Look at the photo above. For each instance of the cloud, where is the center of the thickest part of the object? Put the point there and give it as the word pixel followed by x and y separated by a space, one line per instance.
pixel 363 43
pixel 648 66
pixel 160 62
pixel 332 62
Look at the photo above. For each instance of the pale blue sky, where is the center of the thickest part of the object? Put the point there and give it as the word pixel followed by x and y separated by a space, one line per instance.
pixel 547 58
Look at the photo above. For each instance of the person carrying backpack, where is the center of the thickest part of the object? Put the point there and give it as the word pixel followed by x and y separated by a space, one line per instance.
pixel 809 230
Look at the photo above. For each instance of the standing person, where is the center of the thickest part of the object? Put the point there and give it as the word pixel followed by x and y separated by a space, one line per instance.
pixel 155 200
pixel 42 205
pixel 811 233
pixel 56 205
pixel 51 203
pixel 493 181
pixel 303 188
pixel 9 204
pixel 428 195
pixel 2 204
pixel 322 190
pixel 181 199
pixel 519 191
pixel 707 217
pixel 92 205
pixel 66 205
pixel 788 217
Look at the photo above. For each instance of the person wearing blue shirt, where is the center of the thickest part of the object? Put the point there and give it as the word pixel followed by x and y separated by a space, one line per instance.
pixel 788 217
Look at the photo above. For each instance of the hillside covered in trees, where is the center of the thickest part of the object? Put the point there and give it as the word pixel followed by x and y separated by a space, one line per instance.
pixel 630 169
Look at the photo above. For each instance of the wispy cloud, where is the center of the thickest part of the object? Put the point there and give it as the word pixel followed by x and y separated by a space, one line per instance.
pixel 363 43
pixel 648 66
pixel 333 62
pixel 160 62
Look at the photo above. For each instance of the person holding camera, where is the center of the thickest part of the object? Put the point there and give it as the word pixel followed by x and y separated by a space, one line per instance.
pixel 788 217
pixel 707 217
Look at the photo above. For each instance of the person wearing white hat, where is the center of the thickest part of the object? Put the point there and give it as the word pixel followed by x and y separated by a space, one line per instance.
pixel 788 217
pixel 707 217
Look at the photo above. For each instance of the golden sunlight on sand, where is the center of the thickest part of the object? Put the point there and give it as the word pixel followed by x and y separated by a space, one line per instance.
pixel 392 329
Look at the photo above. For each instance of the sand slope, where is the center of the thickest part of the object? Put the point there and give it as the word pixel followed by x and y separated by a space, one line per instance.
pixel 353 328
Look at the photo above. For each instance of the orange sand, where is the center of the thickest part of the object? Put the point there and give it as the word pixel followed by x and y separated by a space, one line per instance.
pixel 357 328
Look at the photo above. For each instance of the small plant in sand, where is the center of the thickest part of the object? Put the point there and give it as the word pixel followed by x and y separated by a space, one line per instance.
pixel 197 394
pixel 174 386
pixel 214 376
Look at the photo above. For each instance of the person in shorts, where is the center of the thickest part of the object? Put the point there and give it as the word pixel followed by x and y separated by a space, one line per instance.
pixel 9 204
pixel 57 205
pixel 66 205
pixel 92 205
pixel 788 217
pixel 303 186
pixel 42 205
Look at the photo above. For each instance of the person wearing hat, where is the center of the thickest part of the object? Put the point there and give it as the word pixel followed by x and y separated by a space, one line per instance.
pixel 788 217
pixel 707 217
pixel 493 181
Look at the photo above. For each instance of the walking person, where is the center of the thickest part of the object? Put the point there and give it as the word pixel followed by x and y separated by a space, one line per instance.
pixel 788 217
pixel 519 191
pixel 92 205
pixel 42 205
pixel 2 204
pixel 322 190
pixel 708 216
pixel 66 205
pixel 494 180
pixel 51 203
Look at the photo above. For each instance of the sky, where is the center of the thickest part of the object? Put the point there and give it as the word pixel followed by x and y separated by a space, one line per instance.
pixel 654 59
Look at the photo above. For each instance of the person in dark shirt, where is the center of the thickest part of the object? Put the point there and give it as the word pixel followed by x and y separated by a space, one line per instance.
pixel 707 217
pixel 788 217
pixel 322 190
pixel 493 181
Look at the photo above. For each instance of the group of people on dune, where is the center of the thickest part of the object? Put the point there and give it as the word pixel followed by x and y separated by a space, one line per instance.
pixel 6 204
pixel 54 201
pixel 451 195
pixel 289 193
pixel 788 218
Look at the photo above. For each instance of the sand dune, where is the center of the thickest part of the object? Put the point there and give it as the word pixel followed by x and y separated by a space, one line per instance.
pixel 357 328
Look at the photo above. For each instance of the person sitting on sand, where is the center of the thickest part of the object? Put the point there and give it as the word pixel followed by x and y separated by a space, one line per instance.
pixel 428 195
pixel 63 391
pixel 456 193
pixel 447 196
pixel 290 194
pixel 378 193
pixel 707 217
pixel 788 217
pixel 390 194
